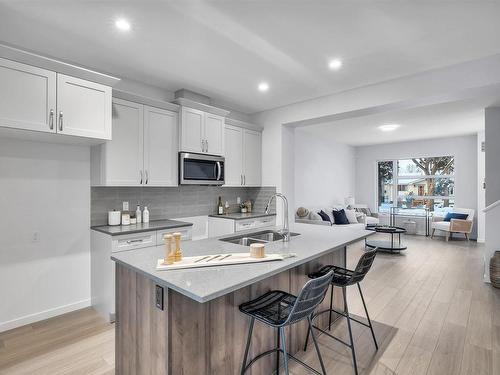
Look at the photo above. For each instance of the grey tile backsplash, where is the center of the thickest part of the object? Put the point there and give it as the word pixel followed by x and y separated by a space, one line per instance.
pixel 172 202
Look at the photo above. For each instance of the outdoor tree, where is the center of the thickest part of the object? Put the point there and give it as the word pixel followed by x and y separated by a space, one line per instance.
pixel 436 166
pixel 385 175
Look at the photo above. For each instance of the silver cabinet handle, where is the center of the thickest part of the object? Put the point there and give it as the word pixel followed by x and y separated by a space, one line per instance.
pixel 134 241
pixel 60 121
pixel 51 119
pixel 202 145
pixel 241 179
pixel 206 145
pixel 147 177
pixel 140 173
pixel 244 179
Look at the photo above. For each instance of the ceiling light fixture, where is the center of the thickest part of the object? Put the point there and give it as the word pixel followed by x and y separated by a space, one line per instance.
pixel 335 64
pixel 122 24
pixel 389 127
pixel 263 86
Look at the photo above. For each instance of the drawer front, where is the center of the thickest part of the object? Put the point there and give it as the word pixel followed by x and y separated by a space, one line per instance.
pixel 133 241
pixel 244 225
pixel 265 222
pixel 185 231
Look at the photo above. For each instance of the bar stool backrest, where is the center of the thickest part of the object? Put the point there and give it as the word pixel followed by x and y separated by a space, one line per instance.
pixel 311 295
pixel 364 265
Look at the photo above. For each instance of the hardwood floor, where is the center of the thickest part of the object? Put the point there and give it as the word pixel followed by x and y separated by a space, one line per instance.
pixel 431 310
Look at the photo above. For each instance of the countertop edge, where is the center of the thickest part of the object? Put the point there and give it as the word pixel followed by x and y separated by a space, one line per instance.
pixel 232 289
pixel 98 228
pixel 228 217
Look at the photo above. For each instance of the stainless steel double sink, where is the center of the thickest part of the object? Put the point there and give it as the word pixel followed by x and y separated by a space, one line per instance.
pixel 264 236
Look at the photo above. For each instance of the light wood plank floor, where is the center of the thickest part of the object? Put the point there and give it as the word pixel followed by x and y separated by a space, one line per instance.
pixel 432 313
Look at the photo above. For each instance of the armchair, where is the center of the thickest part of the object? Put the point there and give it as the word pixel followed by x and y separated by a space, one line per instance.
pixel 370 217
pixel 463 226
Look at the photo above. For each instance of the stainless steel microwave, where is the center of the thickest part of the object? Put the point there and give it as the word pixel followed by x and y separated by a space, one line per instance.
pixel 200 169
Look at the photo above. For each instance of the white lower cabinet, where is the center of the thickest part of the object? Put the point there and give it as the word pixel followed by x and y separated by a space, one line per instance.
pixel 143 151
pixel 102 246
pixel 243 156
pixel 44 101
pixel 220 226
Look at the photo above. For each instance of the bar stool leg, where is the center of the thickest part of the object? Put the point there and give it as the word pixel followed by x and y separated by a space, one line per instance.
pixel 350 331
pixel 331 308
pixel 368 316
pixel 278 352
pixel 249 339
pixel 316 345
pixel 285 354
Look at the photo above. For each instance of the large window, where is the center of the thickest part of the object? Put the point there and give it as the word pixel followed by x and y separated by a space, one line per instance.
pixel 417 184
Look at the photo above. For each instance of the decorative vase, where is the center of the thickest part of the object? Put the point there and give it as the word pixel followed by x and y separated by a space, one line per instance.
pixel 495 269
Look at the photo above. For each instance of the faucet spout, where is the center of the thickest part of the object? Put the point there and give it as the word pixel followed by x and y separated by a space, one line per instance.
pixel 285 231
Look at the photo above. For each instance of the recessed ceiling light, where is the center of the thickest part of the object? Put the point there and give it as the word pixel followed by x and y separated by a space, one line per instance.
pixel 122 24
pixel 389 127
pixel 335 64
pixel 263 86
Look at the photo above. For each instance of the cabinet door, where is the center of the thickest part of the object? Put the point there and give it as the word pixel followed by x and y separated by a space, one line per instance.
pixel 27 97
pixel 83 108
pixel 124 154
pixel 192 125
pixel 233 165
pixel 160 147
pixel 214 134
pixel 252 157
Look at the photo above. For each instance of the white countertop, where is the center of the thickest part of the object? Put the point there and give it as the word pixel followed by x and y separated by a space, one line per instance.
pixel 205 284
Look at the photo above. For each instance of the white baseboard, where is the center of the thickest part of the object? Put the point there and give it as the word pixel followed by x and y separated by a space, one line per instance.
pixel 42 315
pixel 481 240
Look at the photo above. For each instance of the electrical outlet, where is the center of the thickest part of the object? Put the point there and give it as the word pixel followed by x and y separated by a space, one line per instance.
pixel 159 297
pixel 125 206
pixel 35 237
pixel 238 200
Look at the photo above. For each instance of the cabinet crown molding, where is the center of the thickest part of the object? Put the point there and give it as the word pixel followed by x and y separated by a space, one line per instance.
pixel 242 124
pixel 202 107
pixel 131 97
pixel 31 58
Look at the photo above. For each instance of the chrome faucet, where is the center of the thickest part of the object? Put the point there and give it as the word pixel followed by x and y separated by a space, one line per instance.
pixel 285 232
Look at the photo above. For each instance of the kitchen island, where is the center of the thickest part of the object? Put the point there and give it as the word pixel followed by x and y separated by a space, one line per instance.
pixel 188 322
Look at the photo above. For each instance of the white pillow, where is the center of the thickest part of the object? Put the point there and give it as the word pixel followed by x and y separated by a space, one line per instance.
pixel 351 216
pixel 314 216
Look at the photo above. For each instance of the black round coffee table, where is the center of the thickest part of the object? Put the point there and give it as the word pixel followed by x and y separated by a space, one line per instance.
pixel 391 246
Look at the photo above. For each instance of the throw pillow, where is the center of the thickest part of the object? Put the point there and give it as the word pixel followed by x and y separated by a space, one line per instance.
pixel 324 216
pixel 340 217
pixel 351 216
pixel 302 212
pixel 455 215
pixel 314 216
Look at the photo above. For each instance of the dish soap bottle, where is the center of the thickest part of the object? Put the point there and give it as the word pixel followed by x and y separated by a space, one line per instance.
pixel 145 215
pixel 220 207
pixel 138 214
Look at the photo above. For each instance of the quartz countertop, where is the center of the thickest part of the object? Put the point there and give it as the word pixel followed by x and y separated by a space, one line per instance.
pixel 205 284
pixel 115 230
pixel 243 216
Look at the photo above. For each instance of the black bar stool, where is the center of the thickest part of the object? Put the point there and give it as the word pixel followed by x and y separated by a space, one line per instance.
pixel 343 277
pixel 279 309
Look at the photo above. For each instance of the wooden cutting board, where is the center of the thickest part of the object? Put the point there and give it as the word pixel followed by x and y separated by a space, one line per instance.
pixel 222 260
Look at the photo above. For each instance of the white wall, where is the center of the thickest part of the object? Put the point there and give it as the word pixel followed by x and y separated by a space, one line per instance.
pixel 464 148
pixel 481 193
pixel 44 193
pixel 324 170
pixel 492 136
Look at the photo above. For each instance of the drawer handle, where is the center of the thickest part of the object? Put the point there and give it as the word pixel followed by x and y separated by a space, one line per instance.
pixel 134 241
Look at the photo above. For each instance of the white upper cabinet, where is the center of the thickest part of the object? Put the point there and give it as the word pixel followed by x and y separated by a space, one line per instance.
pixel 252 157
pixel 122 163
pixel 192 130
pixel 143 151
pixel 243 156
pixel 41 100
pixel 27 97
pixel 214 134
pixel 234 156
pixel 83 108
pixel 201 132
pixel 160 147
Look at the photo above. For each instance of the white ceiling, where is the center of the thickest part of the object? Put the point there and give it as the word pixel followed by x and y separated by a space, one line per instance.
pixel 224 48
pixel 442 120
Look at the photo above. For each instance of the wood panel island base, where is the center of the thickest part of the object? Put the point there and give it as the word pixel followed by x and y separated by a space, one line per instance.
pixel 193 337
